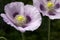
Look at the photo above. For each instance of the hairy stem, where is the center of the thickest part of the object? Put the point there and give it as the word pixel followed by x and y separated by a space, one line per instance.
pixel 49 30
pixel 23 37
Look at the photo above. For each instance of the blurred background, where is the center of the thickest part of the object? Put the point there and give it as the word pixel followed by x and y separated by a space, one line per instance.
pixel 41 33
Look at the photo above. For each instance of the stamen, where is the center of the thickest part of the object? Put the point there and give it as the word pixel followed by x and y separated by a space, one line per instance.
pixel 20 20
pixel 50 4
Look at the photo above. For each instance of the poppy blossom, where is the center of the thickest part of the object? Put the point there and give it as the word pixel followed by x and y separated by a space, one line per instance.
pixel 22 17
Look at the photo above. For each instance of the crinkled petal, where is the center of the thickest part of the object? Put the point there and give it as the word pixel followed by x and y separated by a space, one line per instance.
pixel 36 3
pixel 53 1
pixel 56 16
pixel 35 18
pixel 57 1
pixel 33 26
pixel 6 19
pixel 14 7
pixel 57 10
pixel 40 5
pixel 57 5
pixel 21 29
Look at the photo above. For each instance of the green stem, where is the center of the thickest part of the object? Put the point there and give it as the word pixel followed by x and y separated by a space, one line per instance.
pixel 3 38
pixel 23 38
pixel 49 30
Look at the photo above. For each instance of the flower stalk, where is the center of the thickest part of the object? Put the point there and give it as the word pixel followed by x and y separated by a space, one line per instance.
pixel 23 37
pixel 49 30
pixel 3 38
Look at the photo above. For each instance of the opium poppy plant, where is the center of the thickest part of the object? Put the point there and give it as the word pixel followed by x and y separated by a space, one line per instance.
pixel 50 8
pixel 22 17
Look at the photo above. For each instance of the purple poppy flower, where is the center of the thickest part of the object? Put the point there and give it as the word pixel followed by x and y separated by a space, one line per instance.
pixel 22 17
pixel 50 8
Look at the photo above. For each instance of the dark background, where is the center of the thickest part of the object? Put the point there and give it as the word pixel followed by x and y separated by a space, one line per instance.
pixel 41 33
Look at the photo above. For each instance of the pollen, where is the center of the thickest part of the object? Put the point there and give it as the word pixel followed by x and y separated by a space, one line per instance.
pixel 50 4
pixel 20 18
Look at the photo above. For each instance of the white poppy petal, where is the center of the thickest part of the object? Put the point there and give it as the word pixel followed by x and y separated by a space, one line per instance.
pixel 5 18
pixel 13 7
pixel 32 12
pixel 53 1
pixel 33 26
pixel 40 5
pixel 57 1
pixel 21 29
pixel 56 16
pixel 36 3
pixel 27 10
pixel 35 18
pixel 57 10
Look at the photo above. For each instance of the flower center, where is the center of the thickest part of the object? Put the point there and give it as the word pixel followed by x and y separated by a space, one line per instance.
pixel 20 20
pixel 50 5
